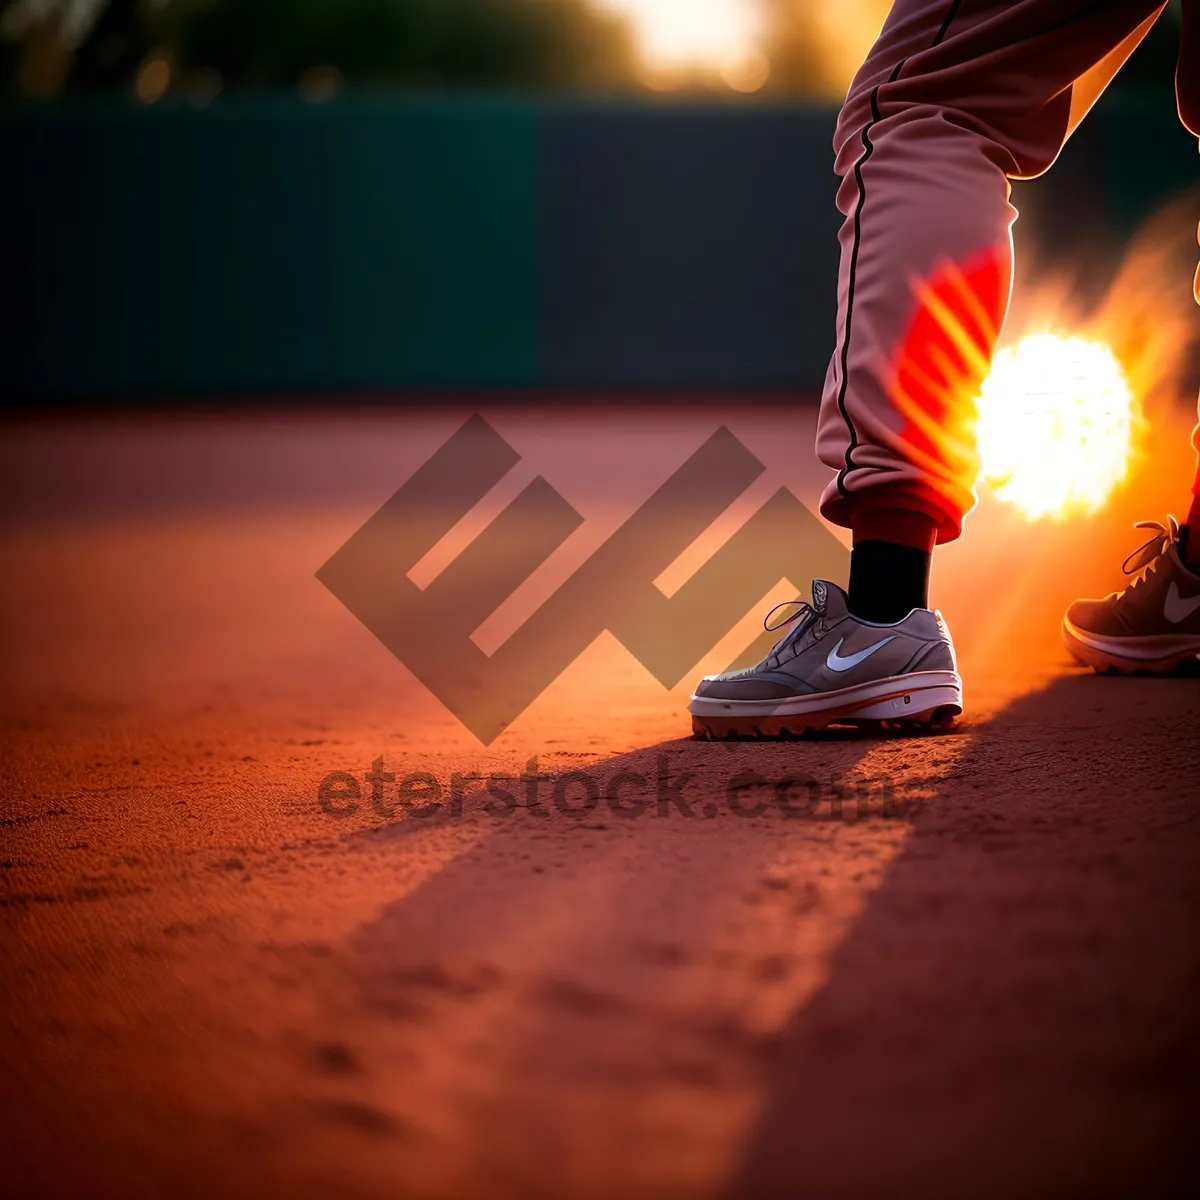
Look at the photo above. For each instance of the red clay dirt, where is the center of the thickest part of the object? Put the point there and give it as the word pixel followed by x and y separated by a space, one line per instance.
pixel 949 966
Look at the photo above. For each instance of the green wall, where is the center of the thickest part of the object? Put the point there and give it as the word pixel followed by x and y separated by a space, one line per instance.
pixel 267 244
pixel 264 245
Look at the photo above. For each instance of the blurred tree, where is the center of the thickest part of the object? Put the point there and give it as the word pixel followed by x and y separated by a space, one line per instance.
pixel 813 46
pixel 111 47
pixel 33 56
pixel 265 43
pixel 524 43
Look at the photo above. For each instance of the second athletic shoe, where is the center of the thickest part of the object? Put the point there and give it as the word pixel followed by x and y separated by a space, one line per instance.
pixel 831 668
pixel 1153 625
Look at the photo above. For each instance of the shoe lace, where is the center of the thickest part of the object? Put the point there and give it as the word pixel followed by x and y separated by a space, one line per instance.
pixel 803 612
pixel 1150 551
pixel 800 620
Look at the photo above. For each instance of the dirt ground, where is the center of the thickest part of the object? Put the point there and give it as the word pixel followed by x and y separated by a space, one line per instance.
pixel 966 965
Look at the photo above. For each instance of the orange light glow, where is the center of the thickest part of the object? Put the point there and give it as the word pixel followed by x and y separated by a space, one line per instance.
pixel 733 40
pixel 842 32
pixel 750 74
pixel 153 79
pixel 672 34
pixel 1056 426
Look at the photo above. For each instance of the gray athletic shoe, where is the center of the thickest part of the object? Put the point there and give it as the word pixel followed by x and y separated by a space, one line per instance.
pixel 831 668
pixel 1154 624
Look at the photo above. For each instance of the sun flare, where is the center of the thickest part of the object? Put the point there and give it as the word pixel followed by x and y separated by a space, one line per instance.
pixel 1056 426
pixel 721 34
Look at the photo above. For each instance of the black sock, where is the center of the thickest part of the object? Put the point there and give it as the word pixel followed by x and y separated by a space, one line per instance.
pixel 887 581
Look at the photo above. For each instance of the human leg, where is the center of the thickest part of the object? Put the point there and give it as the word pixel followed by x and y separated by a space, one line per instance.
pixel 953 101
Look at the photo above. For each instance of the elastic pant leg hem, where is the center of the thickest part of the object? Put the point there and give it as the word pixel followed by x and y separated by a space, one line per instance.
pixel 907 511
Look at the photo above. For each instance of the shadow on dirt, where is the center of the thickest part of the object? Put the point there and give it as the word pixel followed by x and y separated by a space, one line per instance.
pixel 1019 1001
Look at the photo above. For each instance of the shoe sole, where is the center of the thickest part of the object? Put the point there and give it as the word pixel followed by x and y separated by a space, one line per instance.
pixel 924 700
pixel 1154 655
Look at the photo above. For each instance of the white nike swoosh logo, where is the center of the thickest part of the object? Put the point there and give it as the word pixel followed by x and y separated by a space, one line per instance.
pixel 835 662
pixel 1176 608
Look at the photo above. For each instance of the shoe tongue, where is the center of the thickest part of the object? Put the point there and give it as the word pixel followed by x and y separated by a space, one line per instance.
pixel 829 599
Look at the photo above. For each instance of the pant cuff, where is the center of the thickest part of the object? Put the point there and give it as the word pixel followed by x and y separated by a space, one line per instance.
pixel 894 512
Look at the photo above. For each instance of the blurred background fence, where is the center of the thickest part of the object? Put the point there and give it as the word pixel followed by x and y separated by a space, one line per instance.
pixel 162 240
